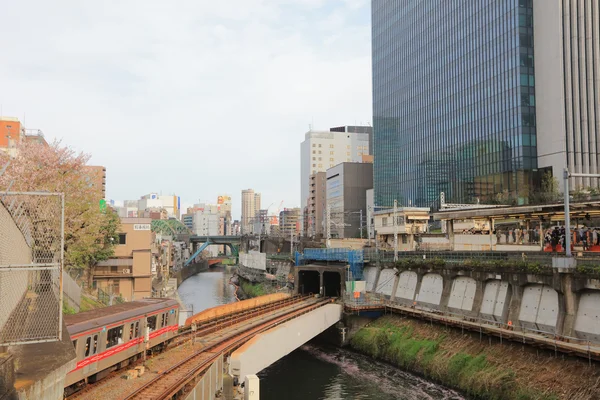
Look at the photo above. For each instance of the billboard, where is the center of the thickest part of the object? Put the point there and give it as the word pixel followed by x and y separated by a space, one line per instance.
pixel 223 199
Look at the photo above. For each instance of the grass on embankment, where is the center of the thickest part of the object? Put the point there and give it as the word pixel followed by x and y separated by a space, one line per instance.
pixel 484 371
pixel 253 289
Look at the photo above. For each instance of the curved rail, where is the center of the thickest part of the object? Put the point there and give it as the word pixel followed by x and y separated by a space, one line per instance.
pixel 172 380
pixel 206 329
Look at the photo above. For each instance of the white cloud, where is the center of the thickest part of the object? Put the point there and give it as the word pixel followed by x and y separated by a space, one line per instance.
pixel 192 97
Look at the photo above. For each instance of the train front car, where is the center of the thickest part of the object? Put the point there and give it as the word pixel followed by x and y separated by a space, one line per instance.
pixel 110 338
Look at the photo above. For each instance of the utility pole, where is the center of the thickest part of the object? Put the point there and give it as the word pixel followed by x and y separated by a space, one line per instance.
pixel 395 230
pixel 369 213
pixel 361 224
pixel 328 225
pixel 292 242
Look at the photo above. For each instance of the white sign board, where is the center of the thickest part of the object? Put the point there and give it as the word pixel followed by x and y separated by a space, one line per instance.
pixel 141 227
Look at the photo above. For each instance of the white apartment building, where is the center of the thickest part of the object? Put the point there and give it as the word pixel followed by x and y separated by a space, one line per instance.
pixel 322 150
pixel 155 201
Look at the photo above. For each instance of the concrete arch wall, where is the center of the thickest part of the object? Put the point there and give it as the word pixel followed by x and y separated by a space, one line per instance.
pixel 430 293
pixel 587 320
pixel 13 250
pixel 385 284
pixel 407 287
pixel 496 300
pixel 540 308
pixel 370 275
pixel 462 294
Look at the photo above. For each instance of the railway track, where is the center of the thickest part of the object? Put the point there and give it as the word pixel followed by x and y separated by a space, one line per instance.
pixel 206 328
pixel 173 380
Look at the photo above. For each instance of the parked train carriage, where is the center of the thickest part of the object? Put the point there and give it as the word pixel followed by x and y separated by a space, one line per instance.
pixel 110 338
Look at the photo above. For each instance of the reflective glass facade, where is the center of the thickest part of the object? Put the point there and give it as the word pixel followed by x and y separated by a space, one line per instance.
pixel 453 100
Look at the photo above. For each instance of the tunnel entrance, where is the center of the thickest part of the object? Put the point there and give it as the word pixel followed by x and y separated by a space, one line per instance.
pixel 309 282
pixel 332 284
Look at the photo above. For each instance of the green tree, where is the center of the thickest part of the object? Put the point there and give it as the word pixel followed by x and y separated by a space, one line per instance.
pixel 549 188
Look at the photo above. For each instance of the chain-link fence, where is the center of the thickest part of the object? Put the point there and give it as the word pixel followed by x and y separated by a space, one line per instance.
pixel 31 260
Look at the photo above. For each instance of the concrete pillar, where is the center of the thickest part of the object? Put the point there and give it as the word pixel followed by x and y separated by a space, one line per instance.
pixel 491 223
pixel 417 287
pixel 446 292
pixel 478 299
pixel 395 286
pixel 450 231
pixel 515 304
pixel 321 286
pixel 376 283
pixel 570 305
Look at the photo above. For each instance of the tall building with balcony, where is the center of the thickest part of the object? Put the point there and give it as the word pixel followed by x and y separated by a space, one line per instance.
pixel 477 98
pixel 315 211
pixel 250 207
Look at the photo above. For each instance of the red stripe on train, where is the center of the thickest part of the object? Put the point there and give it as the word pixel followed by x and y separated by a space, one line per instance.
pixel 125 346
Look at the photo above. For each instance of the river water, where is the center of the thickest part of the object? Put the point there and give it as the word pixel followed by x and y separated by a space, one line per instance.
pixel 316 373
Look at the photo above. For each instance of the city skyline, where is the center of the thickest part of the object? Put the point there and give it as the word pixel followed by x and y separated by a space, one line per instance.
pixel 148 104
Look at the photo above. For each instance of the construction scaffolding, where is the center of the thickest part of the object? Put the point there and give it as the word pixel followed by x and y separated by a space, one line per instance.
pixel 354 259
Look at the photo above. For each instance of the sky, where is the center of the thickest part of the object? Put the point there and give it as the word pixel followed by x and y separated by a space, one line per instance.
pixel 194 98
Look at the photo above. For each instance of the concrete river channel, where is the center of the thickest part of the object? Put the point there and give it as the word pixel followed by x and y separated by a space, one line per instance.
pixel 315 372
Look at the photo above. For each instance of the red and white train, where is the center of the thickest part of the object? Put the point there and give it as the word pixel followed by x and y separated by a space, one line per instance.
pixel 111 338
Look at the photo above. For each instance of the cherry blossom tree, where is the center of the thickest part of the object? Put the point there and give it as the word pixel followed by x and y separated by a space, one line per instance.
pixel 58 168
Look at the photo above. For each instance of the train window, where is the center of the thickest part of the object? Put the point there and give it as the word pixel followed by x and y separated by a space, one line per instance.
pixel 137 329
pixel 131 331
pixel 95 344
pixel 114 336
pixel 75 344
pixel 87 346
pixel 152 322
pixel 164 319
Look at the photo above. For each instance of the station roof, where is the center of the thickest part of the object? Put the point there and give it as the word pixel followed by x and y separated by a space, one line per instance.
pixel 547 211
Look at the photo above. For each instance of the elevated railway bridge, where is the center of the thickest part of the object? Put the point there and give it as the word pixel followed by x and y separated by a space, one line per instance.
pixel 222 338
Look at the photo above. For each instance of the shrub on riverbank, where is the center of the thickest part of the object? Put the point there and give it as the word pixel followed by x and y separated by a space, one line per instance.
pixel 253 289
pixel 496 371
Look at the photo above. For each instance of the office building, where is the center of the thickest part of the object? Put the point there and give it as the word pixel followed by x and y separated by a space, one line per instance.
pixel 12 133
pixel 250 207
pixel 315 211
pixel 567 87
pixel 478 98
pixel 321 150
pixel 347 185
pixel 155 202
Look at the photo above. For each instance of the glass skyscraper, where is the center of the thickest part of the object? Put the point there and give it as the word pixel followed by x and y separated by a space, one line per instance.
pixel 453 101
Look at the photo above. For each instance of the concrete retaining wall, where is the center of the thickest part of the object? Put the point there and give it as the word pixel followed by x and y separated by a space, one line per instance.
pixel 552 302
pixel 210 383
pixel 386 282
pixel 13 250
pixel 254 260
pixel 370 276
pixel 406 288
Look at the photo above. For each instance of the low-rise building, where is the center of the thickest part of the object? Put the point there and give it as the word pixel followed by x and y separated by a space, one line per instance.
pixel 129 272
pixel 410 221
